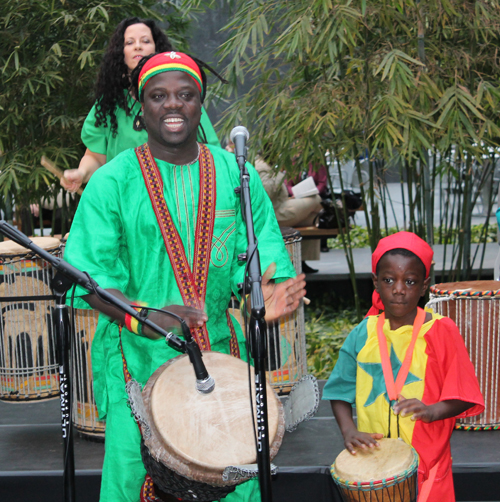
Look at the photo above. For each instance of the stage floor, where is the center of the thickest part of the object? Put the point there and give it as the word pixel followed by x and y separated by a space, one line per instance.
pixel 31 459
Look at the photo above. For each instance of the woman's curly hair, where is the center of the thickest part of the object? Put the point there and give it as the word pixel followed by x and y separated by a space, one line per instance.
pixel 113 75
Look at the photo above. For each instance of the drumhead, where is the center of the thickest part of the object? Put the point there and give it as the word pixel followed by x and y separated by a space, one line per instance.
pixel 206 432
pixel 8 248
pixel 467 288
pixel 393 457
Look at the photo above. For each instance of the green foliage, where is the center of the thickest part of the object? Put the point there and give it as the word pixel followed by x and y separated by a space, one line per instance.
pixel 412 85
pixel 50 51
pixel 361 239
pixel 347 75
pixel 326 330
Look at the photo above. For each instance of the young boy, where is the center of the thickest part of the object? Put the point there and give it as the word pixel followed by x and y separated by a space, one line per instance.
pixel 406 370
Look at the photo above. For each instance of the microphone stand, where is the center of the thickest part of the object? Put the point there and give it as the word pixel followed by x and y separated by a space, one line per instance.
pixel 65 278
pixel 258 335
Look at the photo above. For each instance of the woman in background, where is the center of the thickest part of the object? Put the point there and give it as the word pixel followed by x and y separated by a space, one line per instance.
pixel 114 123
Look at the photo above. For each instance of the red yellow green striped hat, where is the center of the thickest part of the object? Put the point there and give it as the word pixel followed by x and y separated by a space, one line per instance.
pixel 170 61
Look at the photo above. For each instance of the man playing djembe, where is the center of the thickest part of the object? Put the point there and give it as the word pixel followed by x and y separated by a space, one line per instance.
pixel 162 225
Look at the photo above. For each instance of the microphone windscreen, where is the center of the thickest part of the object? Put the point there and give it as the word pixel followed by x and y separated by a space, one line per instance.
pixel 238 131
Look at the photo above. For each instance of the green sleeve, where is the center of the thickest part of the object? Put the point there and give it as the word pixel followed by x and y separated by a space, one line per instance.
pixel 269 239
pixel 96 235
pixel 208 129
pixel 341 385
pixel 95 138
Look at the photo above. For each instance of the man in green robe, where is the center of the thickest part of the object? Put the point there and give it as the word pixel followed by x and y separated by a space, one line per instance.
pixel 117 238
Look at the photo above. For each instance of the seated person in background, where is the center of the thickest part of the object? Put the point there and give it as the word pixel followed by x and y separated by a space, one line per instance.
pixel 436 386
pixel 49 205
pixel 320 178
pixel 291 212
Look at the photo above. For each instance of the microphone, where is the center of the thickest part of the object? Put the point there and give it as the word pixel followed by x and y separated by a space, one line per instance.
pixel 204 382
pixel 239 136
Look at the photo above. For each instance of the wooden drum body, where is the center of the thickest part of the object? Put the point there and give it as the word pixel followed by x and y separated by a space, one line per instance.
pixel 28 364
pixel 474 306
pixel 286 346
pixel 384 474
pixel 191 438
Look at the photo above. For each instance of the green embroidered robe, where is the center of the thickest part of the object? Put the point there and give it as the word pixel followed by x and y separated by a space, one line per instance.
pixel 115 237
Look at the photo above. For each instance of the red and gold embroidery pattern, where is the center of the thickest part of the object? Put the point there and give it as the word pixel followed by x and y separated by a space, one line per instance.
pixel 148 491
pixel 192 284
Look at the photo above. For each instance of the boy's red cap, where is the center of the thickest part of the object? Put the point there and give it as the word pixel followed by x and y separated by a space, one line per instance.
pixel 400 240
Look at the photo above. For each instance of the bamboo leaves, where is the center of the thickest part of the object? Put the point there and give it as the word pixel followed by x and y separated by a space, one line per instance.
pixel 412 86
pixel 49 51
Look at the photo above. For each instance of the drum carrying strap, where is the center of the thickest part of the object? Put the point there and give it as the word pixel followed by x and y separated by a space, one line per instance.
pixel 192 284
pixel 395 388
pixel 427 484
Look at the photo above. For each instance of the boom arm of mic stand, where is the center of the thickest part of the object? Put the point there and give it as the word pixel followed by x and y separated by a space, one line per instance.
pixel 84 280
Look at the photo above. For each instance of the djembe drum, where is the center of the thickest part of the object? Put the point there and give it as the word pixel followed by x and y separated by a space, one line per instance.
pixel 384 474
pixel 193 441
pixel 85 416
pixel 286 347
pixel 28 364
pixel 474 306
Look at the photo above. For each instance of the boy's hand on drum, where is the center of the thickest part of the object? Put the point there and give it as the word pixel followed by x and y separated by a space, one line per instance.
pixel 282 298
pixel 193 317
pixel 355 439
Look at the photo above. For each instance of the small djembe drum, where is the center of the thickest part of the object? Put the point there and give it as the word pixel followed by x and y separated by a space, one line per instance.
pixel 28 365
pixel 384 474
pixel 287 358
pixel 193 443
pixel 474 306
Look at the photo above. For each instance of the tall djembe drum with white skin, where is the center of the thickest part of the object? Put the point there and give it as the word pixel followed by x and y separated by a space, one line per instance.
pixel 28 364
pixel 474 306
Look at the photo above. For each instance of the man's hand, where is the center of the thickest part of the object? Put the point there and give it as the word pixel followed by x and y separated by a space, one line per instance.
pixel 193 317
pixel 282 298
pixel 355 439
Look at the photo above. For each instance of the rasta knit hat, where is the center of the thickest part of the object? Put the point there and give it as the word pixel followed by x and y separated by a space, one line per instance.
pixel 170 61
